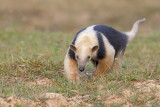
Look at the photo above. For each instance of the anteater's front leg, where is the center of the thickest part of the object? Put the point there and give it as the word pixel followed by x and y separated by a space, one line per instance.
pixel 71 68
pixel 104 65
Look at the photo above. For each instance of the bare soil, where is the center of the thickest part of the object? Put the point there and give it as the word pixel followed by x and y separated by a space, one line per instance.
pixel 144 89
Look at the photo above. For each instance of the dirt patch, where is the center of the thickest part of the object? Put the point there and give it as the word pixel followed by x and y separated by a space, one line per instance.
pixel 57 100
pixel 144 93
pixel 14 100
pixel 114 99
pixel 38 81
pixel 44 81
pixel 45 100
pixel 78 100
pixel 53 100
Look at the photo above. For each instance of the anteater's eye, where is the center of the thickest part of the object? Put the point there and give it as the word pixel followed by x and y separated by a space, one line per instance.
pixel 88 57
pixel 77 57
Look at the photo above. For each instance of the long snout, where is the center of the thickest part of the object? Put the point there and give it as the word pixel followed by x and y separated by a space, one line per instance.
pixel 81 68
pixel 82 64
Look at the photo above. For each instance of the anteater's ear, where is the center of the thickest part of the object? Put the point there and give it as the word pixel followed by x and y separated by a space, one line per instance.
pixel 95 48
pixel 73 48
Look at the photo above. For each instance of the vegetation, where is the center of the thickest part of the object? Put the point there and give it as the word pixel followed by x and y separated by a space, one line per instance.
pixel 40 55
pixel 34 38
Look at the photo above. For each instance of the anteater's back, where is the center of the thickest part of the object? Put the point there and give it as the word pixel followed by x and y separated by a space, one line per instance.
pixel 117 39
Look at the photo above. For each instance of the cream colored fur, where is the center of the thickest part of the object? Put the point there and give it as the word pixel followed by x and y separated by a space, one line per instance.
pixel 105 64
pixel 71 69
pixel 85 41
pixel 131 34
pixel 83 47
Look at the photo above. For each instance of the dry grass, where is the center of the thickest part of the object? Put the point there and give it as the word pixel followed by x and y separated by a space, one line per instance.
pixel 71 15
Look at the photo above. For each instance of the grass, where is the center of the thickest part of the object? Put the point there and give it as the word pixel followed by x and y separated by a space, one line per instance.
pixel 27 56
pixel 60 16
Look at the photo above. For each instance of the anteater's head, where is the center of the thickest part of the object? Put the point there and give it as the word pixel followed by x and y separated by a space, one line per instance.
pixel 83 54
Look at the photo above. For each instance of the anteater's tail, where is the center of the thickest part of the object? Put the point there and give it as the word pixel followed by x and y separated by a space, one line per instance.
pixel 131 34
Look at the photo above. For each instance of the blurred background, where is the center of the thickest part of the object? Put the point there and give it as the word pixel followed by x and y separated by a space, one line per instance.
pixel 73 15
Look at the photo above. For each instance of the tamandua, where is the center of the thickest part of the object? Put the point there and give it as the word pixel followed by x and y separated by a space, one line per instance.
pixel 101 44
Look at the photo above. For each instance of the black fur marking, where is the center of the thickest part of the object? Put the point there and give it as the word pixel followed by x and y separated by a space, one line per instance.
pixel 101 51
pixel 70 52
pixel 95 63
pixel 117 39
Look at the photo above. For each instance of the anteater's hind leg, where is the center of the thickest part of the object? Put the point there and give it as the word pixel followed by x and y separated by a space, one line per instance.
pixel 117 62
pixel 104 65
pixel 71 68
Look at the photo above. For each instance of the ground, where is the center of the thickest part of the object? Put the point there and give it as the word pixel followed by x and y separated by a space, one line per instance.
pixel 146 93
pixel 31 73
pixel 35 36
